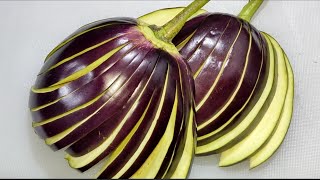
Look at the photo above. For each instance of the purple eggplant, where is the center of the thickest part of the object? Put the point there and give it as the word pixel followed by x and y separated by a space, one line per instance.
pixel 227 56
pixel 236 77
pixel 119 88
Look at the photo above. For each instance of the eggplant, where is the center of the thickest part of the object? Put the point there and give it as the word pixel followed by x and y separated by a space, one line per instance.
pixel 227 56
pixel 269 115
pixel 236 73
pixel 118 90
pixel 234 55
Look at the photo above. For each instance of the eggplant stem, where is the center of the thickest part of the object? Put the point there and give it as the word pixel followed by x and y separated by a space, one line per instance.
pixel 250 9
pixel 168 31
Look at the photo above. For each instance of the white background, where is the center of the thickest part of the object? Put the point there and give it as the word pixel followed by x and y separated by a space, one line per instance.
pixel 29 30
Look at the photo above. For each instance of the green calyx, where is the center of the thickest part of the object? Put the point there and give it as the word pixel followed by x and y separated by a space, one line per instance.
pixel 150 35
pixel 162 36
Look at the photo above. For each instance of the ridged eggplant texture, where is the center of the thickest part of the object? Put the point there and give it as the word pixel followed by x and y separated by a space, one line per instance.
pixel 107 91
pixel 258 122
pixel 227 57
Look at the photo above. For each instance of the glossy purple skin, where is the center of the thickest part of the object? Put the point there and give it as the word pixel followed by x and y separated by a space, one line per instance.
pixel 80 62
pixel 189 27
pixel 230 76
pixel 247 87
pixel 104 130
pixel 138 68
pixel 255 97
pixel 137 138
pixel 38 99
pixel 119 27
pixel 152 91
pixel 122 27
pixel 207 49
pixel 94 88
pixel 116 78
pixel 176 150
pixel 133 144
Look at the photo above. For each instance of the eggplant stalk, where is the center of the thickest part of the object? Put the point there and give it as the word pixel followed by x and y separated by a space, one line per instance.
pixel 250 9
pixel 168 31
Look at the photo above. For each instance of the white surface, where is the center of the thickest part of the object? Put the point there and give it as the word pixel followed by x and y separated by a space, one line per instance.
pixel 29 30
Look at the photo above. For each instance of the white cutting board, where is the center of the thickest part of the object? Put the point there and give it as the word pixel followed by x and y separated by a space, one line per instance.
pixel 29 30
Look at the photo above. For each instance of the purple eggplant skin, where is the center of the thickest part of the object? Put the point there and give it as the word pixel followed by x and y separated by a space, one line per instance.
pixel 180 126
pixel 104 130
pixel 116 78
pixel 133 144
pixel 124 84
pixel 109 116
pixel 216 53
pixel 38 99
pixel 97 32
